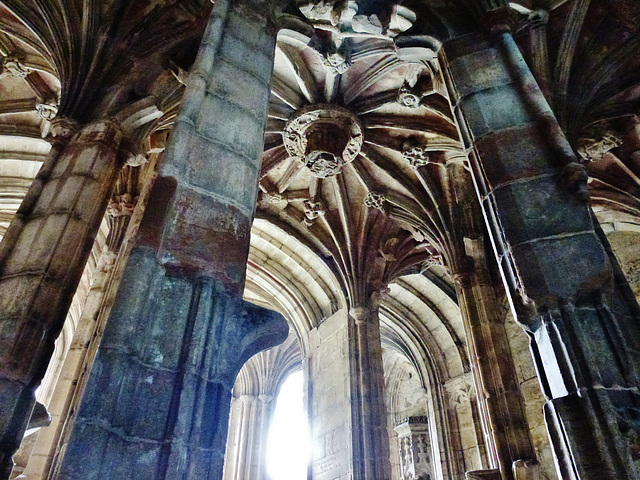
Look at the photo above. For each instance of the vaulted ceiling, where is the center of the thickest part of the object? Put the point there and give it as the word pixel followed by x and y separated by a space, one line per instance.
pixel 368 65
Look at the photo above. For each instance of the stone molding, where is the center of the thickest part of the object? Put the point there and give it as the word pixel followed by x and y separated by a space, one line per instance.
pixel 323 138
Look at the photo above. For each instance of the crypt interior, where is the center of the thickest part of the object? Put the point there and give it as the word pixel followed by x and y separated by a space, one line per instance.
pixel 430 208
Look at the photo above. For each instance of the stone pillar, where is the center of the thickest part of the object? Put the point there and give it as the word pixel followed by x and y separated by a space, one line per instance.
pixel 42 257
pixel 415 449
pixel 585 335
pixel 250 416
pixel 347 409
pixel 124 213
pixel 157 401
pixel 500 399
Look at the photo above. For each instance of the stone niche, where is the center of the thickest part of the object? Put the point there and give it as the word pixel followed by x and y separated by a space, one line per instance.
pixel 415 449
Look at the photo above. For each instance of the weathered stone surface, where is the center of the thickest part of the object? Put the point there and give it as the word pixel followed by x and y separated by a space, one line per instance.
pixel 554 264
pixel 41 263
pixel 180 332
pixel 161 384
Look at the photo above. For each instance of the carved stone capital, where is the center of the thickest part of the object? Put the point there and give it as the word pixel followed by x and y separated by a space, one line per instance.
pixel 61 130
pixel 359 314
pixel 526 470
pixel 460 390
pixel 323 138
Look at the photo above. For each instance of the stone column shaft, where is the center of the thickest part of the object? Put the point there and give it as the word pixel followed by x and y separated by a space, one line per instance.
pixel 41 262
pixel 369 429
pixel 585 336
pixel 157 402
pixel 347 407
pixel 494 371
pixel 251 417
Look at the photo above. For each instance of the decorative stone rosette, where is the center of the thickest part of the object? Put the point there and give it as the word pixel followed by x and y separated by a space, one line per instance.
pixel 323 138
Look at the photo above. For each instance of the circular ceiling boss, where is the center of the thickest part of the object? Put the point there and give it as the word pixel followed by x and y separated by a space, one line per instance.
pixel 323 138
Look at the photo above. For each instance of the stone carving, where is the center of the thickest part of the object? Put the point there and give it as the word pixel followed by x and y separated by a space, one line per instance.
pixel 375 200
pixel 344 15
pixel 526 470
pixel 434 260
pixel 323 138
pixel 121 205
pixel 574 177
pixel 47 111
pixel 414 446
pixel 324 10
pixel 337 62
pixel 13 67
pixel 460 390
pixel 271 197
pixel 312 210
pixel 60 130
pixel 409 96
pixel 415 87
pixel 415 154
pixel 595 148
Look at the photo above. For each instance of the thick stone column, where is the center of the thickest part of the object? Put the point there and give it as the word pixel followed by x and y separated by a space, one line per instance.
pixel 585 333
pixel 123 215
pixel 42 257
pixel 347 408
pixel 157 402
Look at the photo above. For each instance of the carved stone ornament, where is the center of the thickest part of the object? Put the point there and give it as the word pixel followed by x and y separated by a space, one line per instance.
pixel 61 130
pixel 594 149
pixel 375 200
pixel 337 62
pixel 324 10
pixel 409 97
pixel 323 138
pixel 13 67
pixel 416 155
pixel 271 197
pixel 312 210
pixel 435 260
pixel 47 111
pixel 460 390
pixel 121 205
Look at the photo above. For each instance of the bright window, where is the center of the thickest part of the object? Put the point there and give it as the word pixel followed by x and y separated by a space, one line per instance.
pixel 288 445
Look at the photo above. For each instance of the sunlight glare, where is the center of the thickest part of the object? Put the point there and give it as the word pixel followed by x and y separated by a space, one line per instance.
pixel 288 444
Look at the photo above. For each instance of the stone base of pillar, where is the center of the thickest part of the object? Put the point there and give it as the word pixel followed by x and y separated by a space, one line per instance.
pixel 526 470
pixel 489 474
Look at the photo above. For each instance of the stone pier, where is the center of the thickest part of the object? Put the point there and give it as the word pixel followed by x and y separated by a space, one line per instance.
pixel 584 331
pixel 158 399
